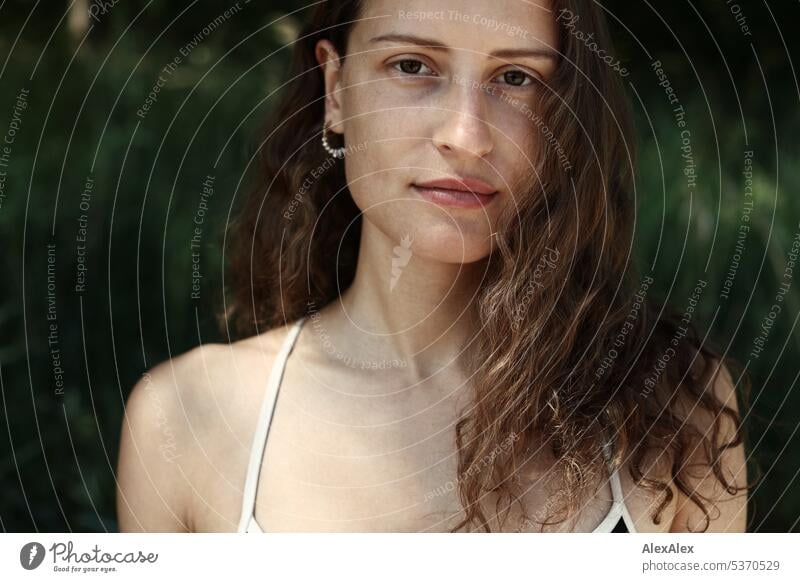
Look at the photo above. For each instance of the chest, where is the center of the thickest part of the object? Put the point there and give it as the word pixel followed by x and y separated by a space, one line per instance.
pixel 339 461
pixel 345 463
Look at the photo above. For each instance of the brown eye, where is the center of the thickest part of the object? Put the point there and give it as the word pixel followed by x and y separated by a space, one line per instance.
pixel 409 66
pixel 517 78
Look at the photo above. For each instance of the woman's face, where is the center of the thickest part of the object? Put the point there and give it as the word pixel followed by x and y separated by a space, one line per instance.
pixel 412 113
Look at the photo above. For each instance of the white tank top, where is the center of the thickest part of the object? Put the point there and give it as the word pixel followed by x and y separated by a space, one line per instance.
pixel 616 520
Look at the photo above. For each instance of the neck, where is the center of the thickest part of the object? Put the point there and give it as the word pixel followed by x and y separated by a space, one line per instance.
pixel 407 307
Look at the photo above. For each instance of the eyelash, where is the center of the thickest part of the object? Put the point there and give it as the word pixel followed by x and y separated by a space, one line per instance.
pixel 532 78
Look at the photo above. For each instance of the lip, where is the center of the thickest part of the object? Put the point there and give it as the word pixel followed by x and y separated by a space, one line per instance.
pixel 461 184
pixel 459 192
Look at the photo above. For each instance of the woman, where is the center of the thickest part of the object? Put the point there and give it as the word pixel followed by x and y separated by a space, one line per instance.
pixel 440 240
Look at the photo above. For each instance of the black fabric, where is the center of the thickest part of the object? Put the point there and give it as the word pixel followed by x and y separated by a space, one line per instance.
pixel 620 527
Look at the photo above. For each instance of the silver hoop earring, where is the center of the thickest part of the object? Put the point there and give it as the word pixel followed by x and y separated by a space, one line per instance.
pixel 337 153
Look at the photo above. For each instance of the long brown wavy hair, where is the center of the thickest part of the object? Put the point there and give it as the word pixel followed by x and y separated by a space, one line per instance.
pixel 586 357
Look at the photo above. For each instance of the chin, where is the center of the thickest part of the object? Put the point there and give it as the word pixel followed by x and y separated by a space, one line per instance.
pixel 449 244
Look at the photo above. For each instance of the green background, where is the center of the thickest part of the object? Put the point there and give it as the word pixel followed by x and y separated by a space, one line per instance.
pixel 58 452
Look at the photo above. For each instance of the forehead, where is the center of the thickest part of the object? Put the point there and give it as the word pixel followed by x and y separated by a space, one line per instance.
pixel 475 25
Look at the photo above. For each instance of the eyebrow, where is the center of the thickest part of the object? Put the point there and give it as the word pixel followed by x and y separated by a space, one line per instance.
pixel 438 46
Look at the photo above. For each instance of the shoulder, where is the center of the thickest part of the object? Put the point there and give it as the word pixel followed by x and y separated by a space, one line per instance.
pixel 185 420
pixel 705 426
pixel 718 451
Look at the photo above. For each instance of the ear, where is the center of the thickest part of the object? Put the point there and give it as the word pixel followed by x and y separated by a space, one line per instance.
pixel 331 67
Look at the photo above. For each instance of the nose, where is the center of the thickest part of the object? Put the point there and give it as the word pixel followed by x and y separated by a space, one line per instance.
pixel 464 129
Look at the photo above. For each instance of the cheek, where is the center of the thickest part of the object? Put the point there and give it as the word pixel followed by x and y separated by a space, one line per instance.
pixel 516 143
pixel 372 173
pixel 376 109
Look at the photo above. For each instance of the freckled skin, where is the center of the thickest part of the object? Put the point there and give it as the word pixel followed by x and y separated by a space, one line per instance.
pixel 355 448
pixel 452 117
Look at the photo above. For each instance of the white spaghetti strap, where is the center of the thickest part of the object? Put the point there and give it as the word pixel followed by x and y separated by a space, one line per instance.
pixel 616 486
pixel 616 491
pixel 262 428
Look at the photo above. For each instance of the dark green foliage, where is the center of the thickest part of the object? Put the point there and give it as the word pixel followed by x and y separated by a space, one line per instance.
pixel 137 310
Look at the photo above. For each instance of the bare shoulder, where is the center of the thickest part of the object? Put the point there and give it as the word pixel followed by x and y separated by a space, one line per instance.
pixel 727 510
pixel 186 436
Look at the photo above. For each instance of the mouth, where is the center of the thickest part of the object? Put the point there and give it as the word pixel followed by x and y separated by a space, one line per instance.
pixel 457 192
